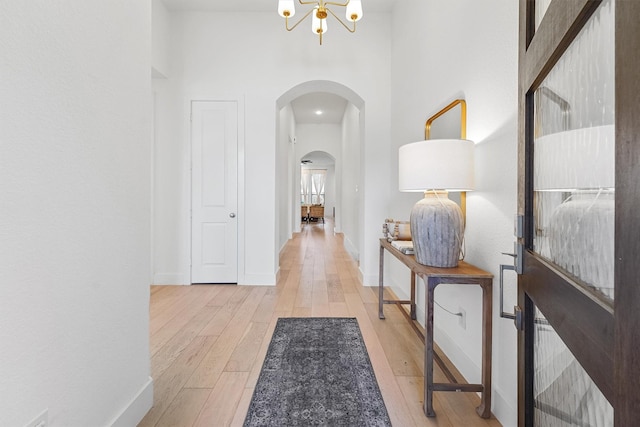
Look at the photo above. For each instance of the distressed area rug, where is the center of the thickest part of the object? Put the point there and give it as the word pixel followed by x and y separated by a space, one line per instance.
pixel 317 373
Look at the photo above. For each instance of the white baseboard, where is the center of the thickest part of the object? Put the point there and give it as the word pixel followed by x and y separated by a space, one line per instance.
pixel 505 413
pixel 133 413
pixel 351 249
pixel 259 280
pixel 171 279
pixel 249 279
pixel 370 281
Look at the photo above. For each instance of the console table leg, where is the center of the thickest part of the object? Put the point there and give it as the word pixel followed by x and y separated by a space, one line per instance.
pixel 413 295
pixel 380 285
pixel 484 410
pixel 428 351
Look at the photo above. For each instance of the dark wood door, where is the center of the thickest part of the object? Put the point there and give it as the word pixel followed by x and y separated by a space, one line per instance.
pixel 579 194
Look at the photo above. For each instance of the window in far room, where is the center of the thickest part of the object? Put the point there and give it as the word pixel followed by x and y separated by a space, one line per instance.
pixel 312 186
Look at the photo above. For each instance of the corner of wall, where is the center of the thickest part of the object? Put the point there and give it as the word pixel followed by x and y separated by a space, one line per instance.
pixel 135 411
pixel 369 280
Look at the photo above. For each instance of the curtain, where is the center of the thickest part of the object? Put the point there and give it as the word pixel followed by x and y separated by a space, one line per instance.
pixel 305 186
pixel 318 183
pixel 312 186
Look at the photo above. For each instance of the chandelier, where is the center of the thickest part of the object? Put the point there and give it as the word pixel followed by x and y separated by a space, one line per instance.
pixel 320 12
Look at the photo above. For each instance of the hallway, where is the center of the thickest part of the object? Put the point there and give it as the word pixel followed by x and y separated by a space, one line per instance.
pixel 208 341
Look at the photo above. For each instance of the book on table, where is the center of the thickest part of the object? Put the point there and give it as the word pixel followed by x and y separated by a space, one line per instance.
pixel 404 246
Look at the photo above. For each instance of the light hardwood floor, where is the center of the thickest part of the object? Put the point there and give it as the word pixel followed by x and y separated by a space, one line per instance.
pixel 208 342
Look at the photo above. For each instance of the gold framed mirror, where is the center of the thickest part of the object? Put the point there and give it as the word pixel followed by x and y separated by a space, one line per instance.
pixel 451 123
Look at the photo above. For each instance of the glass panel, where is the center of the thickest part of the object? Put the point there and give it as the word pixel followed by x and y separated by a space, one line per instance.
pixel 574 157
pixel 564 395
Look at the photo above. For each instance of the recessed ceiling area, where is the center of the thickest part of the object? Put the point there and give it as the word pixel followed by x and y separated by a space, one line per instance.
pixel 318 108
pixel 260 5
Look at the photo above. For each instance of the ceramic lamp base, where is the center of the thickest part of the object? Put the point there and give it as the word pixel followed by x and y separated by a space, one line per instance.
pixel 437 228
pixel 581 238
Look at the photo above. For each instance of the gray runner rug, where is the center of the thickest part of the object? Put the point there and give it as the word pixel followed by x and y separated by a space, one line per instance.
pixel 317 373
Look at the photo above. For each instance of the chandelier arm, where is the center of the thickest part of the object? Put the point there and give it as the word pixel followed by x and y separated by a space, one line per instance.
pixel 286 21
pixel 309 2
pixel 346 3
pixel 343 24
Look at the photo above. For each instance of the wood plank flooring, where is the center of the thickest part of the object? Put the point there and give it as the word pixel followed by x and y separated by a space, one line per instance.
pixel 208 342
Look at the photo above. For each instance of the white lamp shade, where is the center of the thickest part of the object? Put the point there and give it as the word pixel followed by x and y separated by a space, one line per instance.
pixel 436 164
pixel 354 8
pixel 287 5
pixel 580 159
pixel 317 23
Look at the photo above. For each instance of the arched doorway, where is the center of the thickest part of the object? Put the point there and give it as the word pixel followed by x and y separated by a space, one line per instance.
pixel 342 139
pixel 318 185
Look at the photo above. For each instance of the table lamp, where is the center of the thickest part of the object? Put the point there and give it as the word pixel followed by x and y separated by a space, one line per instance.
pixel 436 167
pixel 578 159
pixel 580 165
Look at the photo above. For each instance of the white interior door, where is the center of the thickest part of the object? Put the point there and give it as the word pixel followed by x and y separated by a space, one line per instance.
pixel 214 194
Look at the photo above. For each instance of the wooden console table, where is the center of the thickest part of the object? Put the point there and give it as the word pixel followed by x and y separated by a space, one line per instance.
pixel 463 274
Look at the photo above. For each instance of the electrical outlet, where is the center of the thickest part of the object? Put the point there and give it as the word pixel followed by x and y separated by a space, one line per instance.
pixel 462 318
pixel 41 420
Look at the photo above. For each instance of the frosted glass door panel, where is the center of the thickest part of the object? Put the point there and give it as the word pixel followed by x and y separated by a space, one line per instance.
pixel 564 395
pixel 574 157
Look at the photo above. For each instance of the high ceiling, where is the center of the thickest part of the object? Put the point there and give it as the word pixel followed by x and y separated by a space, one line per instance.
pixel 260 5
pixel 304 107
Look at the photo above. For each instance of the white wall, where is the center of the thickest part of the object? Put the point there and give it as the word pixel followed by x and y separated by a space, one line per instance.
pixel 251 56
pixel 160 39
pixel 75 188
pixel 351 186
pixel 442 51
pixel 318 137
pixel 171 168
pixel 330 191
pixel 285 164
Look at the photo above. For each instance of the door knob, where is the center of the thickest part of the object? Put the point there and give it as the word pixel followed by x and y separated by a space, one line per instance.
pixel 232 215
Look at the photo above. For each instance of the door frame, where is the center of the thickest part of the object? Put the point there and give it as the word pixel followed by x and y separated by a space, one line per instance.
pixel 627 206
pixel 606 345
pixel 358 102
pixel 240 214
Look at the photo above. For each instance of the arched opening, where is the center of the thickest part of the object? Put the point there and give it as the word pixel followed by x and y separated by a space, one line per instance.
pixel 318 187
pixel 341 137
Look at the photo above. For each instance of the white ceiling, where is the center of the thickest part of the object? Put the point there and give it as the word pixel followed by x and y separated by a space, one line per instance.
pixel 260 5
pixel 332 107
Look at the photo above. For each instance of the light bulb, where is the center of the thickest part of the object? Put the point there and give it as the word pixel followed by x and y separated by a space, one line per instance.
pixel 286 6
pixel 318 24
pixel 354 9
